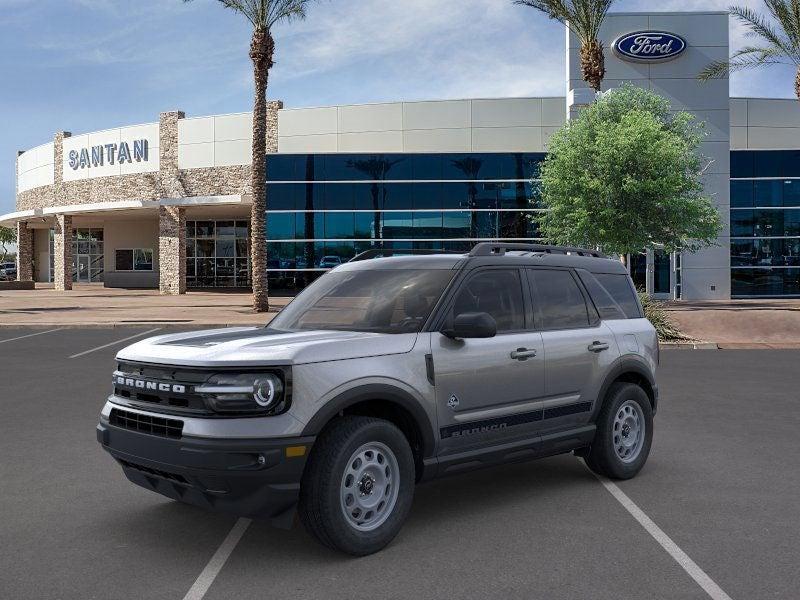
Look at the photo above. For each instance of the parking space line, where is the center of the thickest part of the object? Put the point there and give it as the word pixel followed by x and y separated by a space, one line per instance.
pixel 214 566
pixel 85 352
pixel 22 337
pixel 687 564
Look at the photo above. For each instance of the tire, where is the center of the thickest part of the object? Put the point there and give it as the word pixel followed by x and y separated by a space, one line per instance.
pixel 364 461
pixel 614 453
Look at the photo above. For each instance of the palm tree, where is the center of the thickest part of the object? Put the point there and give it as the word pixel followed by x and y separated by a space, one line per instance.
pixel 584 19
pixel 780 41
pixel 262 15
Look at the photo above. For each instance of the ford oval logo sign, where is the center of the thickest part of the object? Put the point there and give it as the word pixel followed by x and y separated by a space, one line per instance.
pixel 649 46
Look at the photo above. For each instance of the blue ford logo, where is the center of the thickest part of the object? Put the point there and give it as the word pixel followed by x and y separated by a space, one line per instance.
pixel 649 46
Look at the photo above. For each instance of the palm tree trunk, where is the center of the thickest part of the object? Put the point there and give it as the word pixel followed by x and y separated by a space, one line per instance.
pixel 593 64
pixel 797 84
pixel 261 52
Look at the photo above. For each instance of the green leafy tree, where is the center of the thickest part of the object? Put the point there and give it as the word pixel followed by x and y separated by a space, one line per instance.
pixel 263 15
pixel 626 175
pixel 8 236
pixel 778 40
pixel 584 19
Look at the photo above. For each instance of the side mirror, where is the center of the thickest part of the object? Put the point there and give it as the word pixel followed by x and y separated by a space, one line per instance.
pixel 472 325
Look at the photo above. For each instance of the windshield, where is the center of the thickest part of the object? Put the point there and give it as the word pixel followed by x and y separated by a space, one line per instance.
pixel 391 301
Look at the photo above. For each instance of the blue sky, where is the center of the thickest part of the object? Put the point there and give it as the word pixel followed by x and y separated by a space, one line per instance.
pixel 84 65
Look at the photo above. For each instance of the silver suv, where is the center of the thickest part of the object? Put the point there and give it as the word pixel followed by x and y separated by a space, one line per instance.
pixel 385 372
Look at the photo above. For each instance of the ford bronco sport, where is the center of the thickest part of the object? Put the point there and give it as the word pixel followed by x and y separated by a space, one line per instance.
pixel 386 371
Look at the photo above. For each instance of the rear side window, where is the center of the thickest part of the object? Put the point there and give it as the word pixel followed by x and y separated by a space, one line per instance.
pixel 558 300
pixel 621 290
pixel 605 304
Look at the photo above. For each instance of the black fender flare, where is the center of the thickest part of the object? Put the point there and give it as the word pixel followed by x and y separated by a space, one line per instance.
pixel 624 365
pixel 376 391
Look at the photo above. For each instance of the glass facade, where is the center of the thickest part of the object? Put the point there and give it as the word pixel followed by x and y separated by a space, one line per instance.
pixel 326 208
pixel 217 254
pixel 765 223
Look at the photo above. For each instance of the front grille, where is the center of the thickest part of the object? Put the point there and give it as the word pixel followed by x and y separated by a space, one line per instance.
pixel 169 428
pixel 183 402
pixel 157 472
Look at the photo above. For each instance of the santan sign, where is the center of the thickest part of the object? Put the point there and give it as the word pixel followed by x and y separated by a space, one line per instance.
pixel 97 156
pixel 649 46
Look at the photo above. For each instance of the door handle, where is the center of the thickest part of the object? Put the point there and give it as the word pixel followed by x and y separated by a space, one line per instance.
pixel 523 354
pixel 597 346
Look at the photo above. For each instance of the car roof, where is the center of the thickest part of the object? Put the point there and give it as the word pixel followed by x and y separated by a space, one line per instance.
pixel 592 264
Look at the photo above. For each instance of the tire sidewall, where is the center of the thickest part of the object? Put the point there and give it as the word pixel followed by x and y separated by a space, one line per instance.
pixel 347 537
pixel 614 465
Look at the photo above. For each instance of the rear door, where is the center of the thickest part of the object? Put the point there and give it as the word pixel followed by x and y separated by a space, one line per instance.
pixel 578 347
pixel 487 389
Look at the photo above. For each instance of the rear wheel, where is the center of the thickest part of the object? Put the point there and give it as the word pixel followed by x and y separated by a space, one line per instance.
pixel 357 489
pixel 624 433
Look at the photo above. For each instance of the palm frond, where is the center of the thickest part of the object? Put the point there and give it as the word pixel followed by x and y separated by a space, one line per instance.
pixel 759 26
pixel 785 14
pixel 583 17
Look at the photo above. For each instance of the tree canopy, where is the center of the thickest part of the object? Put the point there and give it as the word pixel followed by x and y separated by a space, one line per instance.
pixel 7 237
pixel 625 176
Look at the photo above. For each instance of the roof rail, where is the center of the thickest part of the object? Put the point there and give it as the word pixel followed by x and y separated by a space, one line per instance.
pixel 383 252
pixel 500 248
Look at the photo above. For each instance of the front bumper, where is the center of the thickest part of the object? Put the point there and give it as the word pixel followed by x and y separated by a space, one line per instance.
pixel 253 478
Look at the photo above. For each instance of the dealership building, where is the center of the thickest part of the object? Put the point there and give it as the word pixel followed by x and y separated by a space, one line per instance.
pixel 167 204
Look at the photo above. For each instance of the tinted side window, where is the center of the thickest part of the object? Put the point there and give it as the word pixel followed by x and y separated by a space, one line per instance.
pixel 605 304
pixel 497 292
pixel 619 286
pixel 558 299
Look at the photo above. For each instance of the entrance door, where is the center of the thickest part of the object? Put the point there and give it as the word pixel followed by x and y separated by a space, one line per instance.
pixel 83 268
pixel 662 270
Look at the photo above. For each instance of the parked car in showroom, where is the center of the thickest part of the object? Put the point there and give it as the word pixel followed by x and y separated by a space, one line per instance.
pixel 8 271
pixel 385 372
pixel 329 262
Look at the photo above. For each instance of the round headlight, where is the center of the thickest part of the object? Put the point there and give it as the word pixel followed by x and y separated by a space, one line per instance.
pixel 266 391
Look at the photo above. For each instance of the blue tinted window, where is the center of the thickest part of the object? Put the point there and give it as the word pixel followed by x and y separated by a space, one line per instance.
pixel 366 196
pixel 765 282
pixel 768 193
pixel 426 195
pixel 455 195
pixel 791 222
pixel 280 226
pixel 426 166
pixel 398 225
pixel 396 196
pixel 281 167
pixel 309 225
pixel 741 194
pixel 282 196
pixel 367 226
pixel 742 223
pixel 339 196
pixel 791 192
pixel 456 224
pixel 742 164
pixel 768 163
pixel 465 166
pixel 427 224
pixel 339 225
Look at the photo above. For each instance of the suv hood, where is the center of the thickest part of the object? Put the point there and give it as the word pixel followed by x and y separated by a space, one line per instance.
pixel 258 346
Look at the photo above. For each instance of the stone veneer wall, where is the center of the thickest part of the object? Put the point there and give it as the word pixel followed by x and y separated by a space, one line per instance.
pixel 171 250
pixel 62 250
pixel 24 252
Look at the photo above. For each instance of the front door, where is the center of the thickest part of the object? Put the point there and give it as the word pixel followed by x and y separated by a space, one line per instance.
pixel 83 268
pixel 487 389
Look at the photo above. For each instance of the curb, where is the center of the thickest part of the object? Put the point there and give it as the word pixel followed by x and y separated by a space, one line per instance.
pixel 689 345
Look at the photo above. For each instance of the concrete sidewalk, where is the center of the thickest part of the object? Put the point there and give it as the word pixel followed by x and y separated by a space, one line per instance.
pixel 740 323
pixel 93 305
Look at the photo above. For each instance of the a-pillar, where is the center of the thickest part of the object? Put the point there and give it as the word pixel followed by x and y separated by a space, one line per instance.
pixel 24 252
pixel 62 253
pixel 171 250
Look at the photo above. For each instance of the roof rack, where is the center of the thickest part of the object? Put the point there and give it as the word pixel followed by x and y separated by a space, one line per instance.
pixel 500 248
pixel 383 252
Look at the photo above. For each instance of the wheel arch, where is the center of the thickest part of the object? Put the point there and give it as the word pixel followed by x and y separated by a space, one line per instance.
pixel 630 371
pixel 386 402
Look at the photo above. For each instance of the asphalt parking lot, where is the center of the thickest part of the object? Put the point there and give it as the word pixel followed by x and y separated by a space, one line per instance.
pixel 722 482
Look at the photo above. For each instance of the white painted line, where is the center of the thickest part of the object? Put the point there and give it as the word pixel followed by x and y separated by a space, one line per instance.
pixel 114 343
pixel 22 337
pixel 687 564
pixel 214 566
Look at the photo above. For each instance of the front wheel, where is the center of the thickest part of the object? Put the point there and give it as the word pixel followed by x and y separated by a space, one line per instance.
pixel 624 433
pixel 357 489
